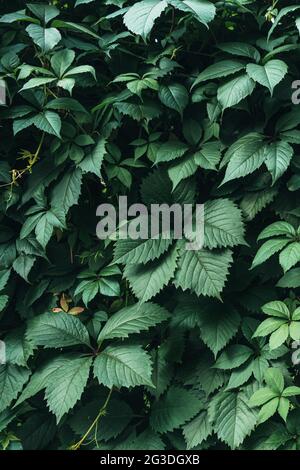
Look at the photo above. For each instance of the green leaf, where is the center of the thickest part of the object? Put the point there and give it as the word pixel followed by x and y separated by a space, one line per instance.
pixel 12 380
pixel 204 272
pixel 174 96
pixel 66 103
pixel 18 348
pixel 117 417
pixel 23 265
pixel 133 319
pixel 203 10
pixel 45 38
pixel 240 376
pixel 291 391
pixel 67 385
pixel 233 420
pixel 140 18
pixel 277 229
pixel 274 379
pixel 223 226
pixel 267 250
pixel 244 156
pixel 220 69
pixel 66 193
pixel 276 308
pixel 294 330
pixel 279 336
pixel 174 409
pixel 61 61
pixel 147 280
pixel 268 75
pixel 16 16
pixel 3 301
pixel 51 219
pixel 170 151
pixel 209 156
pixel 290 256
pixel 233 357
pixel 123 366
pixel 79 70
pixel 42 377
pixel 53 330
pixel 261 396
pixel 278 157
pixel 234 91
pixel 93 161
pixel 36 82
pixel 197 430
pixel 253 202
pixel 268 410
pixel 283 408
pixel 291 279
pixel 181 170
pixel 240 49
pixel 281 14
pixel 140 251
pixel 268 326
pixel 49 122
pixel 218 325
pixel 43 12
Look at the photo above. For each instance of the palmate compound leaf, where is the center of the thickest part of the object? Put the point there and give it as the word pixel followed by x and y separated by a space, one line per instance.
pixel 123 366
pixel 67 385
pixel 223 225
pixel 174 409
pixel 140 18
pixel 56 330
pixel 12 380
pixel 140 251
pixel 231 417
pixel 203 272
pixel 133 319
pixel 147 280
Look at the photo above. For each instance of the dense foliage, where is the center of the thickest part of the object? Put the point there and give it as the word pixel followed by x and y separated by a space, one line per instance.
pixel 139 344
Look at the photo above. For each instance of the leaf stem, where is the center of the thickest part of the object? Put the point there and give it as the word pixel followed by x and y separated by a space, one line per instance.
pixel 94 423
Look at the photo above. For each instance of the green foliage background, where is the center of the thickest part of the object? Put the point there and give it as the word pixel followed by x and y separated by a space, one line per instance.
pixel 141 344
